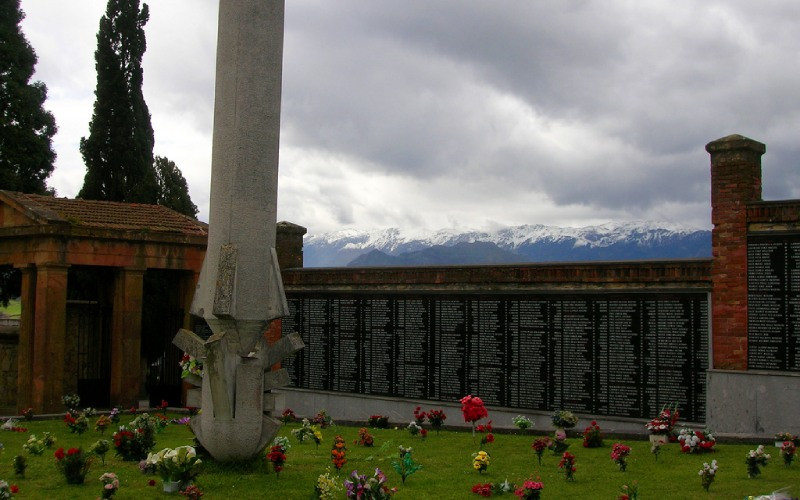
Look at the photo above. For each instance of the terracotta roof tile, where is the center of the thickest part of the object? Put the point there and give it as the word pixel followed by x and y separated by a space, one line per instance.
pixel 109 214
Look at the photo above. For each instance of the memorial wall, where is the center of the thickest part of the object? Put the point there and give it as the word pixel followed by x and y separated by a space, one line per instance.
pixel 773 296
pixel 616 354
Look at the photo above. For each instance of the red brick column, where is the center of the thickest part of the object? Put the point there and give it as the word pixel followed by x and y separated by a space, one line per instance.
pixel 25 347
pixel 126 339
pixel 48 346
pixel 735 181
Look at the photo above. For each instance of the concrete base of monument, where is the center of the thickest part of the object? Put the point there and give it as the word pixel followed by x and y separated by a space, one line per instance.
pixel 357 408
pixel 759 403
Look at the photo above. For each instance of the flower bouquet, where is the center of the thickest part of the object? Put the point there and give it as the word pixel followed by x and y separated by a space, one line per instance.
pixel 338 452
pixel 436 419
pixel 419 416
pixel 322 419
pixel 360 487
pixel 327 488
pixel 77 422
pixel 663 424
pixel 540 445
pixel 7 491
pixel 480 461
pixel 559 445
pixel 34 445
pixel 288 416
pixel 530 490
pixel 191 367
pixel 72 402
pixel 406 465
pixel 365 438
pixel 696 441
pixel 73 464
pixel 277 456
pixel 473 410
pixel 564 419
pixel 788 451
pixel 134 441
pixel 100 448
pixel 707 474
pixel 110 484
pixel 568 464
pixel 619 454
pixel 489 437
pixel 592 438
pixel 755 459
pixel 308 431
pixel 178 465
pixel 27 413
pixel 522 422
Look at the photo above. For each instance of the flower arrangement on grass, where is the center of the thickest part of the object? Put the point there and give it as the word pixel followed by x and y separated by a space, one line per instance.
pixel 113 415
pixel 27 414
pixel 522 422
pixel 322 419
pixel 73 464
pixel 378 421
pixel 100 448
pixel 11 425
pixel 277 457
pixel 419 416
pixel 540 445
pixel 308 431
pixel 72 402
pixel 707 474
pixel 696 441
pixel 361 487
pixel 568 464
pixel 592 437
pixel 472 409
pixel 630 491
pixel 488 489
pixel 406 465
pixel 364 438
pixel 327 488
pixel 559 445
pixel 788 451
pixel 190 366
pixel 338 453
pixel 134 441
pixel 19 464
pixel 34 446
pixel 192 492
pixel 564 419
pixel 664 422
pixel 110 484
pixel 480 461
pixel 414 428
pixel 103 422
pixel 288 416
pixel 436 418
pixel 487 429
pixel 755 459
pixel 530 490
pixel 619 454
pixel 7 491
pixel 180 464
pixel 77 422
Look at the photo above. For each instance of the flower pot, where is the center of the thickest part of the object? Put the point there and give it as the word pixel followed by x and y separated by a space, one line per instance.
pixel 660 439
pixel 171 486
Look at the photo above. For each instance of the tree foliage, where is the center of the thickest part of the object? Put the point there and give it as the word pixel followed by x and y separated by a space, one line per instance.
pixel 172 189
pixel 26 128
pixel 119 150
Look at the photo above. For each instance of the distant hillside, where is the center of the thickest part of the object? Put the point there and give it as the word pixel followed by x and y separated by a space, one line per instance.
pixel 528 243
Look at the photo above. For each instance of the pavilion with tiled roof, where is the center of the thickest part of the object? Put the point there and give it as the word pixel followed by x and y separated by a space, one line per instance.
pixel 44 237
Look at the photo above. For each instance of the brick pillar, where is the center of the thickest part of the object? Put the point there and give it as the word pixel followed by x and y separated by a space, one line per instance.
pixel 25 346
pixel 126 337
pixel 289 244
pixel 735 182
pixel 48 360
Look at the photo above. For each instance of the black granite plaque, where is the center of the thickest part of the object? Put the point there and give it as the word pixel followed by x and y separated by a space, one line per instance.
pixel 606 354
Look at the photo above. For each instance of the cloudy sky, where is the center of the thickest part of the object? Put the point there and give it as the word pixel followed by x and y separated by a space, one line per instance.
pixel 466 113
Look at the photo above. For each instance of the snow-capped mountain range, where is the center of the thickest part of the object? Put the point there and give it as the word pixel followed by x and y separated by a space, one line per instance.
pixel 528 243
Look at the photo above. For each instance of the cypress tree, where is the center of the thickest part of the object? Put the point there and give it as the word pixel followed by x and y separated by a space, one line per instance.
pixel 26 128
pixel 119 150
pixel 172 189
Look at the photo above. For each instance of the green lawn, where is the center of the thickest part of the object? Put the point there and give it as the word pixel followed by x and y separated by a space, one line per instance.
pixel 13 310
pixel 446 459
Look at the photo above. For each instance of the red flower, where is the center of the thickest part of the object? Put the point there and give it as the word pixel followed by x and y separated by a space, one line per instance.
pixel 490 438
pixel 69 419
pixel 151 482
pixel 484 490
pixel 59 454
pixel 72 451
pixel 14 489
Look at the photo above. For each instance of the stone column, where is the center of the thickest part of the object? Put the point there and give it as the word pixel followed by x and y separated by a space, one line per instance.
pixel 289 244
pixel 25 346
pixel 126 336
pixel 49 338
pixel 735 182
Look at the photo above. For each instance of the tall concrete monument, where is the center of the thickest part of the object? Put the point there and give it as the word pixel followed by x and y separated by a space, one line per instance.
pixel 240 290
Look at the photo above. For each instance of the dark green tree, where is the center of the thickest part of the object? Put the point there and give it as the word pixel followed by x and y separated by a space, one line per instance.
pixel 26 128
pixel 173 191
pixel 119 150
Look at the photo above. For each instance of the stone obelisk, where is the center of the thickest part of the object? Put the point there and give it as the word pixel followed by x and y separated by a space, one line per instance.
pixel 239 290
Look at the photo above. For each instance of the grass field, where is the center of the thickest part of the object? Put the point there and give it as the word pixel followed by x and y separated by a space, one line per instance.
pixel 13 309
pixel 446 473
